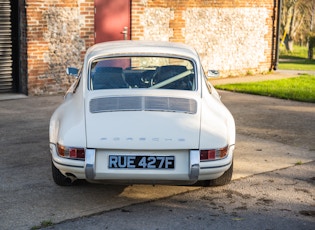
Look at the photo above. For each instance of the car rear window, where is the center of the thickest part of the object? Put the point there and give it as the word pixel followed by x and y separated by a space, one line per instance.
pixel 142 72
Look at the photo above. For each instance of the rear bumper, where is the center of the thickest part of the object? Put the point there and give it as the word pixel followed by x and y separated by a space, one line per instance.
pixel 95 169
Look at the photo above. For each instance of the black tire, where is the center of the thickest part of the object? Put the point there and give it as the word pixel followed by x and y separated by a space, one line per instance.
pixel 222 180
pixel 58 177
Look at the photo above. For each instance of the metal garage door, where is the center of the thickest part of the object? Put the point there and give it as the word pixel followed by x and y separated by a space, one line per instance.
pixel 6 80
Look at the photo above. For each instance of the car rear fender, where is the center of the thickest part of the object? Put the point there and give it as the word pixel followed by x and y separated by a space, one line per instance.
pixel 217 129
pixel 67 124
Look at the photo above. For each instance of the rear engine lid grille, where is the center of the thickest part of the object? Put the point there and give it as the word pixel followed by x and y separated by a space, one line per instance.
pixel 143 103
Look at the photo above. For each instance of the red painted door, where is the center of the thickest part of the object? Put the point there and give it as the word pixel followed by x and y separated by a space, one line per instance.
pixel 112 20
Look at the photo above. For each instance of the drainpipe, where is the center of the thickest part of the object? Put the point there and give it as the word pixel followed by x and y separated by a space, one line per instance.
pixel 276 60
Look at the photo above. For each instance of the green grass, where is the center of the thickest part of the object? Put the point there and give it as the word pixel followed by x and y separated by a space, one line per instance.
pixel 299 163
pixel 295 60
pixel 300 88
pixel 293 64
pixel 43 224
pixel 299 52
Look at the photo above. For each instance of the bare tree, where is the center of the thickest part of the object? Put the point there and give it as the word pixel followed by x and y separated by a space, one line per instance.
pixel 296 21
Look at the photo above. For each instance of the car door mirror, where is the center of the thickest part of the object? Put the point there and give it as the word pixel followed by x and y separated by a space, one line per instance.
pixel 213 73
pixel 72 71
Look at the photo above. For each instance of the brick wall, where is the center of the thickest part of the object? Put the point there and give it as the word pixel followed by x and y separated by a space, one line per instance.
pixel 232 36
pixel 58 34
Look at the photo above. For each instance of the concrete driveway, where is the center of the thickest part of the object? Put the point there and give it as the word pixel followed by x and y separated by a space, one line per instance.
pixel 271 134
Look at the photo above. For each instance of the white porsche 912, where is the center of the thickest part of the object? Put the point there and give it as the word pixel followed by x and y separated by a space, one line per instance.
pixel 142 112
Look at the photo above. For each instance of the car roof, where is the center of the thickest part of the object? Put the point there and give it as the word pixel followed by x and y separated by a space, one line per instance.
pixel 141 48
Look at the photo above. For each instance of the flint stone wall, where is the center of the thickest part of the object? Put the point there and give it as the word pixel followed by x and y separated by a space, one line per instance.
pixel 155 22
pixel 64 45
pixel 232 40
pixel 229 39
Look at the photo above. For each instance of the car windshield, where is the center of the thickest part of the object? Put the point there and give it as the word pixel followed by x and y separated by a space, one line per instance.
pixel 142 72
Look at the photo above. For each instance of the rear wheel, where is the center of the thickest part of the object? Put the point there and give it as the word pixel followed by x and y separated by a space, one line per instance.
pixel 59 178
pixel 222 180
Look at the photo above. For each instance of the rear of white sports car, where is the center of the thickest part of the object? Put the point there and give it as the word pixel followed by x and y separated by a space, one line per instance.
pixel 142 113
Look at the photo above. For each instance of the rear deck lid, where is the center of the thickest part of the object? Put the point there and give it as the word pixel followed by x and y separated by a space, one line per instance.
pixel 142 122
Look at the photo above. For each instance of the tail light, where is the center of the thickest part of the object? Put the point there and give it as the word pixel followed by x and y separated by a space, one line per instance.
pixel 71 152
pixel 213 154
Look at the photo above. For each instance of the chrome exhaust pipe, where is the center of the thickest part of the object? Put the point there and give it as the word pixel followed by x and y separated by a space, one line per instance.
pixel 70 178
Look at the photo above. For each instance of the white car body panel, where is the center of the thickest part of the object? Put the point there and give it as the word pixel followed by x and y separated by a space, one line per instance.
pixel 142 129
pixel 208 125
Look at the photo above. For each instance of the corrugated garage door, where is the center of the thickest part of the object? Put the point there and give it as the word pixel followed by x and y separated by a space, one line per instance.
pixel 6 80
